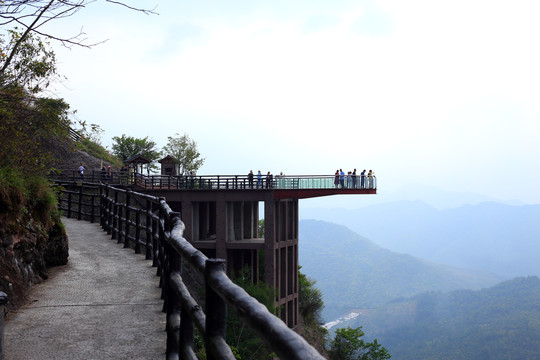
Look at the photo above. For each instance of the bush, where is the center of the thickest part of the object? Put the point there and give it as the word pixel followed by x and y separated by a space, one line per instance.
pixel 20 193
pixel 98 151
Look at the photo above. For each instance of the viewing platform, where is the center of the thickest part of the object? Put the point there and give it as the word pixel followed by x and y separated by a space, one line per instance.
pixel 283 187
pixel 246 220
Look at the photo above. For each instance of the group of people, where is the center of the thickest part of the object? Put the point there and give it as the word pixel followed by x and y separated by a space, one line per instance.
pixel 267 181
pixel 106 172
pixel 352 181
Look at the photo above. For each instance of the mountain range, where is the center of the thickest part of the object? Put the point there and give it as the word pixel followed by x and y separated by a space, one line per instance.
pixel 353 273
pixel 500 322
pixel 492 237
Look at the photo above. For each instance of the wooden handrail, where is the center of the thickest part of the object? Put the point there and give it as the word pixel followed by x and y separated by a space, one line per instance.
pixel 162 230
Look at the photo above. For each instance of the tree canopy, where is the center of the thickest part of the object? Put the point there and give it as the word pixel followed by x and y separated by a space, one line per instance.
pixel 310 302
pixel 184 150
pixel 127 146
pixel 28 120
pixel 349 345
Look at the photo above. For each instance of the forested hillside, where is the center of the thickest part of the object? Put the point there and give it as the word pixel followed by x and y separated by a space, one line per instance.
pixel 501 322
pixel 492 237
pixel 354 273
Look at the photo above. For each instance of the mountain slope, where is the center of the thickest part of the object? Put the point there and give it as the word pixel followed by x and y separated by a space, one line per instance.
pixel 353 273
pixel 501 322
pixel 493 237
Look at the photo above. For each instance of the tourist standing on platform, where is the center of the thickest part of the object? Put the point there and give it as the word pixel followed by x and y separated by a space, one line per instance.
pixel 354 179
pixel 250 179
pixel 349 180
pixel 268 180
pixel 370 179
pixel 192 179
pixel 342 178
pixel 336 179
pixel 363 179
pixel 259 180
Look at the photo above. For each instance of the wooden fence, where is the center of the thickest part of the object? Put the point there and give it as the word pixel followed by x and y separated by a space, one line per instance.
pixel 145 222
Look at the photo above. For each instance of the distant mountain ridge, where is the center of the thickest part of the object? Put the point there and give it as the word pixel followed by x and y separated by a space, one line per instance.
pixel 352 272
pixel 430 195
pixel 489 236
pixel 500 322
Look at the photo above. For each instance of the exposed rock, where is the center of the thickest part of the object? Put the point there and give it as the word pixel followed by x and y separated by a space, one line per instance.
pixel 57 249
pixel 24 259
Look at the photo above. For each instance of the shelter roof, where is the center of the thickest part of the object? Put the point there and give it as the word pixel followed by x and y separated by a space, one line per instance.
pixel 138 159
pixel 168 160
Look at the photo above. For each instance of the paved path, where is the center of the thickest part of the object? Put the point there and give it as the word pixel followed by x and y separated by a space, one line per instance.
pixel 104 304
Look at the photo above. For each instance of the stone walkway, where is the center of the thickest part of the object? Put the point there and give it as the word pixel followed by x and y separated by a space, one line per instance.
pixel 104 304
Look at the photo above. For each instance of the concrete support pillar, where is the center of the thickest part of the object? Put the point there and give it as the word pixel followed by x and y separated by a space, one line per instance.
pixel 195 225
pixel 248 220
pixel 270 242
pixel 238 220
pixel 187 219
pixel 285 228
pixel 221 229
pixel 230 220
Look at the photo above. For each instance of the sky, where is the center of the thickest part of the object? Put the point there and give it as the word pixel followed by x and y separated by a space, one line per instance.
pixel 441 93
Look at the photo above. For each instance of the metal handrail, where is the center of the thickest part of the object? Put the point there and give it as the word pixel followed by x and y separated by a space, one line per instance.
pixel 163 231
pixel 217 182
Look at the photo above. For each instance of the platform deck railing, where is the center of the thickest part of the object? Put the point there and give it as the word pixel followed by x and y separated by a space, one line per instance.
pixel 218 182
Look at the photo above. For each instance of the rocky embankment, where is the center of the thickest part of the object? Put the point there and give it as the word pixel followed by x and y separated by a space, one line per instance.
pixel 31 242
pixel 25 255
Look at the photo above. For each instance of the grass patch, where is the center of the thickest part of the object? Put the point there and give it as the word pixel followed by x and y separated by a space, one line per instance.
pixel 20 194
pixel 99 152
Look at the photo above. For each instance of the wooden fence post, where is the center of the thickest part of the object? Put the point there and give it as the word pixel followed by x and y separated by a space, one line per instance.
pixel 69 205
pixel 92 210
pixel 155 239
pixel 148 230
pixel 128 217
pixel 216 309
pixel 138 232
pixel 115 218
pixel 79 215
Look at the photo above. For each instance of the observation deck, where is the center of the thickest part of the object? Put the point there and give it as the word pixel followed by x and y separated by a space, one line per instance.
pixel 222 217
pixel 282 187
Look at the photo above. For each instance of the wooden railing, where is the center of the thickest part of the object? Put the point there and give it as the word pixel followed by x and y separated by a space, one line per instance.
pixel 143 221
pixel 78 201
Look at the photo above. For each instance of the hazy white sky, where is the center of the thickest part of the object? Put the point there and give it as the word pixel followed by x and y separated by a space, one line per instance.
pixel 444 93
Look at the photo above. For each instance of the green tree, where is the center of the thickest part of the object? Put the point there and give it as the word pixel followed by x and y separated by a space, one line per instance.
pixel 349 345
pixel 32 65
pixel 260 228
pixel 29 121
pixel 310 302
pixel 184 150
pixel 127 146
pixel 244 343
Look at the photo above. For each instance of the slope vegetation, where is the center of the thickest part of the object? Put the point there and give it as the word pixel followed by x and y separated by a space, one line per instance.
pixel 501 322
